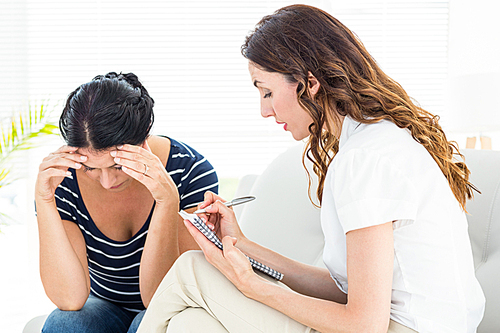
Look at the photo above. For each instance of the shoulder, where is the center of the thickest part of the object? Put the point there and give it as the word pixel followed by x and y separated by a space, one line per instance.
pixel 378 136
pixel 184 159
pixel 160 146
pixel 183 154
pixel 382 140
pixel 192 173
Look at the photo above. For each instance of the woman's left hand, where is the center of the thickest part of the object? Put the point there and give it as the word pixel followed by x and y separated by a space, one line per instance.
pixel 230 261
pixel 141 164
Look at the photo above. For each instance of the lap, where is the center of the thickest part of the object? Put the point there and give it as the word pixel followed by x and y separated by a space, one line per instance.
pixel 97 315
pixel 194 283
pixel 194 320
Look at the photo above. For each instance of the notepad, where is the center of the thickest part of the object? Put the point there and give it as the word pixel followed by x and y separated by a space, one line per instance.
pixel 211 236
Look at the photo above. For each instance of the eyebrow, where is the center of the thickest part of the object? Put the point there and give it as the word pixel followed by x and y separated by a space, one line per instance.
pixel 255 83
pixel 97 168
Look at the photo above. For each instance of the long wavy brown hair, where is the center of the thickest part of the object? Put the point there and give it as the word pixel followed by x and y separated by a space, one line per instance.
pixel 297 40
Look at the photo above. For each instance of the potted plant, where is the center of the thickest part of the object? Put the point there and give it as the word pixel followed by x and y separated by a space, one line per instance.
pixel 18 133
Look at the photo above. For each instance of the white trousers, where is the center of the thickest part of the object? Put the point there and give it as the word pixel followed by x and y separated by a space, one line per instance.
pixel 195 297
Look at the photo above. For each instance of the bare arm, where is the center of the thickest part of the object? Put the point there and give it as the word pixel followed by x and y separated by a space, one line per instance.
pixel 302 278
pixel 63 261
pixel 369 267
pixel 163 243
pixel 305 279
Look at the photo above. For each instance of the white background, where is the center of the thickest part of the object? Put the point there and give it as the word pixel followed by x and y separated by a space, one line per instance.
pixel 187 53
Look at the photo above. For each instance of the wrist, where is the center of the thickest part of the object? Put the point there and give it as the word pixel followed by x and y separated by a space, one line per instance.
pixel 168 201
pixel 253 286
pixel 44 199
pixel 244 244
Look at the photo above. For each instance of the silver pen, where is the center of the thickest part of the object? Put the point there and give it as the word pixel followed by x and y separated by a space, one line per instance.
pixel 234 202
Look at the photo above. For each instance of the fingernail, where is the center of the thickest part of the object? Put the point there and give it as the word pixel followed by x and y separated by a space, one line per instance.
pixel 113 153
pixel 120 147
pixel 68 173
pixel 83 158
pixel 117 160
pixel 78 165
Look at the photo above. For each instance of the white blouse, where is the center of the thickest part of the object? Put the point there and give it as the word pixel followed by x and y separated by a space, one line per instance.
pixel 382 174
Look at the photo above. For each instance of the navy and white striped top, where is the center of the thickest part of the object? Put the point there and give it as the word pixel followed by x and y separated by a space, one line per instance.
pixel 114 266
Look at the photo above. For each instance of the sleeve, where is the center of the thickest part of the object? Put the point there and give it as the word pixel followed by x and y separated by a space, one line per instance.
pixel 200 177
pixel 65 202
pixel 369 190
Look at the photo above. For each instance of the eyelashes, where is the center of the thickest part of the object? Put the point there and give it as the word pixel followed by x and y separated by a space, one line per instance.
pixel 87 169
pixel 267 95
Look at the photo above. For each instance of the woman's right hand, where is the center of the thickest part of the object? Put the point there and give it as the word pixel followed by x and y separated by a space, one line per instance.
pixel 219 217
pixel 54 168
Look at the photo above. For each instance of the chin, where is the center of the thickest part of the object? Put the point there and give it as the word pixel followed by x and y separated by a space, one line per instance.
pixel 300 136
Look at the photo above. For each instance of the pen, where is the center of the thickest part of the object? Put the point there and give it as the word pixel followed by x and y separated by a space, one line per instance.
pixel 234 202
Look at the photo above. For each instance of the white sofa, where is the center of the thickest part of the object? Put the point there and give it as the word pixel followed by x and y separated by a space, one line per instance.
pixel 283 219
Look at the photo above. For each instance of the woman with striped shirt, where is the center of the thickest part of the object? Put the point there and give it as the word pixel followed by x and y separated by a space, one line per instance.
pixel 107 206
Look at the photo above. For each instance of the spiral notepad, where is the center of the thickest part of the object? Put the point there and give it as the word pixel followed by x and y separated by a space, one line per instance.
pixel 211 236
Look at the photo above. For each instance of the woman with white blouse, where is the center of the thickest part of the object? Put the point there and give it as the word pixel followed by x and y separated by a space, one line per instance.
pixel 392 192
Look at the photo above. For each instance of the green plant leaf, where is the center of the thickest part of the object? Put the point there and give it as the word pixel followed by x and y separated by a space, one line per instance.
pixel 18 133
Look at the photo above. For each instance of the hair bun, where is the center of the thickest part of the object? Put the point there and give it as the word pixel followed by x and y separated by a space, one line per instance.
pixel 110 110
pixel 132 79
pixel 111 75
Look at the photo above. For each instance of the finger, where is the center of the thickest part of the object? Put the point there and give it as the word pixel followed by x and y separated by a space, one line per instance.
pixel 134 149
pixel 69 153
pixel 54 172
pixel 139 176
pixel 142 162
pixel 143 156
pixel 136 166
pixel 59 161
pixel 228 240
pixel 219 207
pixel 210 198
pixel 234 255
pixel 212 252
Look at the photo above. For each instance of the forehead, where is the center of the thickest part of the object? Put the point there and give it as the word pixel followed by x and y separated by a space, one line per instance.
pixel 97 159
pixel 262 77
pixel 89 152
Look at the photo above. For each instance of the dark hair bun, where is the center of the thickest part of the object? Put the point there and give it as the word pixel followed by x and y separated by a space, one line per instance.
pixel 110 110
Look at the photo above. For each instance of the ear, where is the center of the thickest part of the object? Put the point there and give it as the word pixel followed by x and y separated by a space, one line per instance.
pixel 313 84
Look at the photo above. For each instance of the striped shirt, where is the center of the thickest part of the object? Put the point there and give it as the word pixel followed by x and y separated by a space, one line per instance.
pixel 113 265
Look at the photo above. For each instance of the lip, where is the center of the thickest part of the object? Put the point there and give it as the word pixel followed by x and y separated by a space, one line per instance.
pixel 117 186
pixel 281 123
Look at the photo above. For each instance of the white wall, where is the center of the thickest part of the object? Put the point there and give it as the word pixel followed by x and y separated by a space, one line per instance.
pixel 473 53
pixel 474 38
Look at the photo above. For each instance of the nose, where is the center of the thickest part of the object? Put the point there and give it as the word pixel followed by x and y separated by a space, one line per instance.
pixel 266 109
pixel 107 179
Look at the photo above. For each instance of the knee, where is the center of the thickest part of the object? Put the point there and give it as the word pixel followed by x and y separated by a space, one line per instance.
pixel 134 326
pixel 190 257
pixel 192 261
pixel 186 268
pixel 63 321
